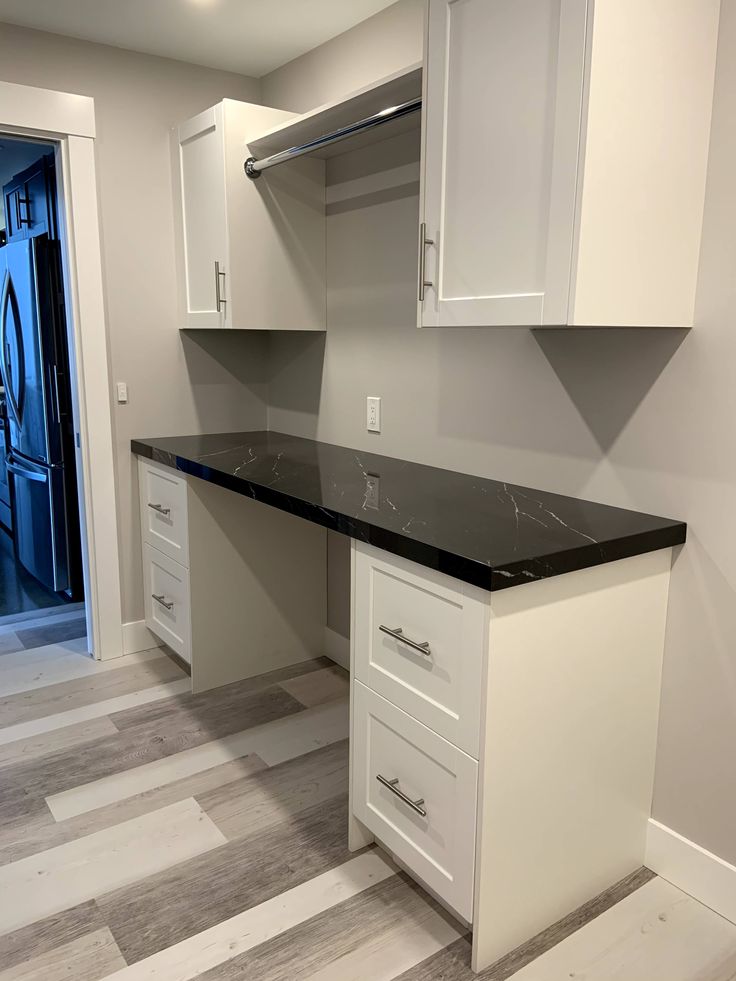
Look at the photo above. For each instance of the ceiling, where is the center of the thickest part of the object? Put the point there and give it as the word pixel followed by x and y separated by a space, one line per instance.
pixel 251 37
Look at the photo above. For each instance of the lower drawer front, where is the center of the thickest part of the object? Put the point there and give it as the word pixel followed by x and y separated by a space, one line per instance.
pixel 166 586
pixel 433 777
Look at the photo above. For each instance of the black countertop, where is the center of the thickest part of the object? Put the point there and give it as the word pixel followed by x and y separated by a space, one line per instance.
pixel 485 532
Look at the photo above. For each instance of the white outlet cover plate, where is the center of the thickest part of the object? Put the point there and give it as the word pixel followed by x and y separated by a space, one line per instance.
pixel 373 414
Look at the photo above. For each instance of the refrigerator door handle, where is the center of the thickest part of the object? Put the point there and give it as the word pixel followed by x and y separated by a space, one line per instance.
pixel 8 298
pixel 20 471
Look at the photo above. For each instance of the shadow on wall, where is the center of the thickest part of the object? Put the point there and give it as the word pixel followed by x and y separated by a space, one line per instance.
pixel 215 359
pixel 607 373
pixel 296 360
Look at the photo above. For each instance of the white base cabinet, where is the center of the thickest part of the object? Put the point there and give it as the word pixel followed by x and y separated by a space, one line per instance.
pixel 550 805
pixel 246 591
pixel 565 154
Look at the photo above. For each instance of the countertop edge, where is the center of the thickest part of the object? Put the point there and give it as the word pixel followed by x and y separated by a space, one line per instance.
pixel 470 571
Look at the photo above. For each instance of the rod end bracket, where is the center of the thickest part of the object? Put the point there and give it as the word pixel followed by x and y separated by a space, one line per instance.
pixel 250 170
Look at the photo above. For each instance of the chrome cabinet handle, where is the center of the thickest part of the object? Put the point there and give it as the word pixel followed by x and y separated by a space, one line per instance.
pixel 393 786
pixel 423 243
pixel 169 605
pixel 398 634
pixel 160 509
pixel 220 300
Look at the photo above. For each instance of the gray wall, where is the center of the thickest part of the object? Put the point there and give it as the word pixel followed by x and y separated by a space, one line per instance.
pixel 196 382
pixel 643 419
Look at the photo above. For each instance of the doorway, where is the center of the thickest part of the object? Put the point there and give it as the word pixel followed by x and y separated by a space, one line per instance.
pixel 41 569
pixel 67 121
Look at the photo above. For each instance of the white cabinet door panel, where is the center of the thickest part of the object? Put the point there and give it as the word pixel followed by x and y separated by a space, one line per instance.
pixel 503 108
pixel 201 155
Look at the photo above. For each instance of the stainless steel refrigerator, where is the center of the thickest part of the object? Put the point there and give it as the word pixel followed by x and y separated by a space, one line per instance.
pixel 40 439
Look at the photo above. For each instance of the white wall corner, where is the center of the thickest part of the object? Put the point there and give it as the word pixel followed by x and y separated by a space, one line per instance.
pixel 337 648
pixel 701 874
pixel 137 637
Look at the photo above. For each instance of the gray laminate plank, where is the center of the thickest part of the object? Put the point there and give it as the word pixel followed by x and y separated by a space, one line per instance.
pixel 453 964
pixel 384 928
pixel 34 747
pixel 205 707
pixel 89 958
pixel 270 796
pixel 45 935
pixel 54 633
pixel 10 643
pixel 176 904
pixel 64 696
pixel 26 785
pixel 320 686
pixel 24 837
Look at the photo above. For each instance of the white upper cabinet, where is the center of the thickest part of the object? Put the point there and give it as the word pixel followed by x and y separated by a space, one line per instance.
pixel 565 154
pixel 254 251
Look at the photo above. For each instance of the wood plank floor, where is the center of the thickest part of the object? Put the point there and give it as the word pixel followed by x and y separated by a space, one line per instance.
pixel 148 834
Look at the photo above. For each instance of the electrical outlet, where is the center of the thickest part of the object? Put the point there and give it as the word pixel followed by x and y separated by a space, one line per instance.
pixel 373 414
pixel 372 491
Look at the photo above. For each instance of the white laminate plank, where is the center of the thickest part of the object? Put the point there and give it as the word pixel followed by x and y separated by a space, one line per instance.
pixel 656 932
pixel 23 750
pixel 274 742
pixel 204 951
pixel 88 958
pixel 49 723
pixel 56 663
pixel 72 873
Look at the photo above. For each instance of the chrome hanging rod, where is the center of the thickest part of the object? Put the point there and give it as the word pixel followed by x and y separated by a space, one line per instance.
pixel 254 168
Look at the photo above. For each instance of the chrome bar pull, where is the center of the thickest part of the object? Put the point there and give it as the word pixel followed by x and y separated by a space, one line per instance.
pixel 160 509
pixel 168 604
pixel 393 786
pixel 422 647
pixel 220 300
pixel 423 243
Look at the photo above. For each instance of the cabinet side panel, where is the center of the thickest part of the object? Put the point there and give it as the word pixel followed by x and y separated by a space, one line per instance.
pixel 258 586
pixel 276 232
pixel 570 736
pixel 646 153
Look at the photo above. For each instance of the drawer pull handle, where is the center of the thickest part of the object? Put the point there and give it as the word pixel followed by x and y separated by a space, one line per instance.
pixel 160 509
pixel 398 634
pixel 393 786
pixel 169 604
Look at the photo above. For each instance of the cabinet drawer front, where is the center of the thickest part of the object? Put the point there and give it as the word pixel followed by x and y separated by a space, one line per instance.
pixel 163 497
pixel 440 685
pixel 439 779
pixel 167 602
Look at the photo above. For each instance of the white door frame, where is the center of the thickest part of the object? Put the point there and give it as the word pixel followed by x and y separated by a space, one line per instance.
pixel 69 121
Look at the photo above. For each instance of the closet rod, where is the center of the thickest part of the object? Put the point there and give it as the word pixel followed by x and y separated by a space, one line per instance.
pixel 253 167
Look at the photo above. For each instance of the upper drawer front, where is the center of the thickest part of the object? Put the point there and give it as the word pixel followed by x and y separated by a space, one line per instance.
pixel 431 826
pixel 439 684
pixel 164 510
pixel 167 601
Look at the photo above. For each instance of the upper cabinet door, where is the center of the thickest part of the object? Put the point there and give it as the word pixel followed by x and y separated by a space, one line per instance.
pixel 202 165
pixel 504 86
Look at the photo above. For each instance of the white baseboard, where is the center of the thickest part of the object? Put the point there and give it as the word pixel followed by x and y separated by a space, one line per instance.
pixel 337 648
pixel 701 874
pixel 137 637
